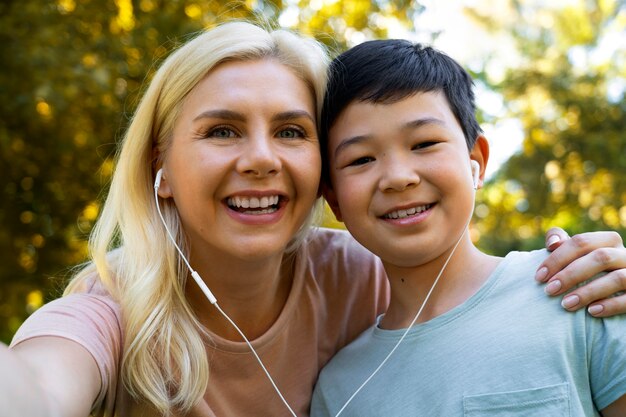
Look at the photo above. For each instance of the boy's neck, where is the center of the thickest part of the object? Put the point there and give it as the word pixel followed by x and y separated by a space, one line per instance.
pixel 466 272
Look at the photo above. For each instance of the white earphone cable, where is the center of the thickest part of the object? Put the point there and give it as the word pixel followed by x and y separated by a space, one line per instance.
pixel 212 298
pixel 406 331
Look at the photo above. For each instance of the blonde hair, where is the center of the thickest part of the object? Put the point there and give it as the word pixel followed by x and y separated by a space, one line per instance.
pixel 165 361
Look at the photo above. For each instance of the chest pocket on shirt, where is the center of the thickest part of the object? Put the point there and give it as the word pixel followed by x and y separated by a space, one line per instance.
pixel 550 401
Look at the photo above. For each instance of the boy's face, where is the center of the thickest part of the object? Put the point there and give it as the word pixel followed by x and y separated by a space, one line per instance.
pixel 401 177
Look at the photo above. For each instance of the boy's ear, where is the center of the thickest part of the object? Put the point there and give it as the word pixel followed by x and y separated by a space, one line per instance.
pixel 480 154
pixel 331 199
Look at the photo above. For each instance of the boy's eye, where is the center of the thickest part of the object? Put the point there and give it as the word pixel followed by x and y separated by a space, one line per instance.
pixel 361 161
pixel 291 133
pixel 422 145
pixel 221 133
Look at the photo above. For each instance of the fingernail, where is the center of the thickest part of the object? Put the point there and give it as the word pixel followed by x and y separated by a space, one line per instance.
pixel 570 301
pixel 541 274
pixel 553 239
pixel 553 287
pixel 595 309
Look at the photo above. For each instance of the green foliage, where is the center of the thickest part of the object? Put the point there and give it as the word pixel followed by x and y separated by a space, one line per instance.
pixel 570 172
pixel 72 74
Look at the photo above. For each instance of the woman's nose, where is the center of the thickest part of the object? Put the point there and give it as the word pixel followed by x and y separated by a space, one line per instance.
pixel 259 157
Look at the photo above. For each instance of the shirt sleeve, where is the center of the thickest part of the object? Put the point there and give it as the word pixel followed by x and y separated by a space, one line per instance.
pixel 319 408
pixel 92 321
pixel 606 339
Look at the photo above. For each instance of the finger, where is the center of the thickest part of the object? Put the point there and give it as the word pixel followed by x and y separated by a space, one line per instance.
pixel 600 288
pixel 609 307
pixel 555 236
pixel 573 248
pixel 586 267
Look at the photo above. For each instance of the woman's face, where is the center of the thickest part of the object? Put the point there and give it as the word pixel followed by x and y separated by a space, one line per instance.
pixel 244 163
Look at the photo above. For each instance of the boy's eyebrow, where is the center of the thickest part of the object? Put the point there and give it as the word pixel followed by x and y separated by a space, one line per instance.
pixel 424 121
pixel 413 124
pixel 350 141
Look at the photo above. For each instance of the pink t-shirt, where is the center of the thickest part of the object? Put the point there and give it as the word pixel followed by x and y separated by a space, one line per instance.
pixel 338 290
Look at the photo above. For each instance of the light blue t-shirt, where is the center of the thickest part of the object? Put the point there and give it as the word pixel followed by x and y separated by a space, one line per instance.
pixel 509 350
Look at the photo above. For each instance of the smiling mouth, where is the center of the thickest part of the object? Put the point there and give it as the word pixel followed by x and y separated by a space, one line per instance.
pixel 254 205
pixel 402 214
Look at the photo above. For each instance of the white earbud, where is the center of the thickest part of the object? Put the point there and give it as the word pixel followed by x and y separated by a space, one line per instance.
pixel 157 180
pixel 475 173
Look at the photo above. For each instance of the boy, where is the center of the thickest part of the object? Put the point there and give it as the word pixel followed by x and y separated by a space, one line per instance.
pixel 404 155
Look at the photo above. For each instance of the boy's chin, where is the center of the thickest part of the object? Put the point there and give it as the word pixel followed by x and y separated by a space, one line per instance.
pixel 405 259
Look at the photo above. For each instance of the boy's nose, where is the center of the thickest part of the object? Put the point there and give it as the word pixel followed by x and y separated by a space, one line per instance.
pixel 398 175
pixel 259 158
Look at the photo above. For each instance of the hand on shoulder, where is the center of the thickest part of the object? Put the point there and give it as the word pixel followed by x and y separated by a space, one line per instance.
pixel 578 259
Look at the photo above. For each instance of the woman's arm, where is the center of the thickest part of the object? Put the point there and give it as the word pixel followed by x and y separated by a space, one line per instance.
pixel 577 259
pixel 47 376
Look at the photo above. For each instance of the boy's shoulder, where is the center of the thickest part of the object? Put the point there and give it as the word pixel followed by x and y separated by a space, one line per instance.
pixel 510 322
pixel 518 268
pixel 528 259
pixel 514 271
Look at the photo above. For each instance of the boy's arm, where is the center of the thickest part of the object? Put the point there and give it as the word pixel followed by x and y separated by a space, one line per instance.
pixel 616 409
pixel 577 259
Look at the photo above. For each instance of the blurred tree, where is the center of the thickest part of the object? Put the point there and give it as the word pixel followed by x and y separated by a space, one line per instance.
pixel 73 71
pixel 567 88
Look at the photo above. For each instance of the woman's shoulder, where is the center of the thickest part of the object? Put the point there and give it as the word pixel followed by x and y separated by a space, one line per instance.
pixel 338 246
pixel 351 280
pixel 335 258
pixel 87 314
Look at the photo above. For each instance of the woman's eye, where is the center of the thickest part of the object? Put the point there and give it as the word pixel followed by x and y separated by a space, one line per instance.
pixel 291 133
pixel 221 133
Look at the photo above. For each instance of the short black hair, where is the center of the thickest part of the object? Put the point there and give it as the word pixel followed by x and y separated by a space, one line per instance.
pixel 387 71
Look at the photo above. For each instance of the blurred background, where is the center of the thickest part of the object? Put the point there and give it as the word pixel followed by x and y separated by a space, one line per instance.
pixel 550 79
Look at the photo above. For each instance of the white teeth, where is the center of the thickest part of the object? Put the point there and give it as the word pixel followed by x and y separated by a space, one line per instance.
pixel 263 211
pixel 401 214
pixel 253 202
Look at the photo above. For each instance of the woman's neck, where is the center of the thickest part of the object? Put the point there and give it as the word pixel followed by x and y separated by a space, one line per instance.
pixel 253 295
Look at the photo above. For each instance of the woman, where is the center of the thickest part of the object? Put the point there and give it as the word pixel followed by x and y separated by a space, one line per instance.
pixel 229 123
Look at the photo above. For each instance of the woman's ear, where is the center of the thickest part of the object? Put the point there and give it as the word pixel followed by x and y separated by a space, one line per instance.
pixel 163 186
pixel 480 154
pixel 331 199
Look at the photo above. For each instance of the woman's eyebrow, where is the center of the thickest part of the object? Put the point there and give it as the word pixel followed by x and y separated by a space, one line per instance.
pixel 221 114
pixel 232 115
pixel 291 115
